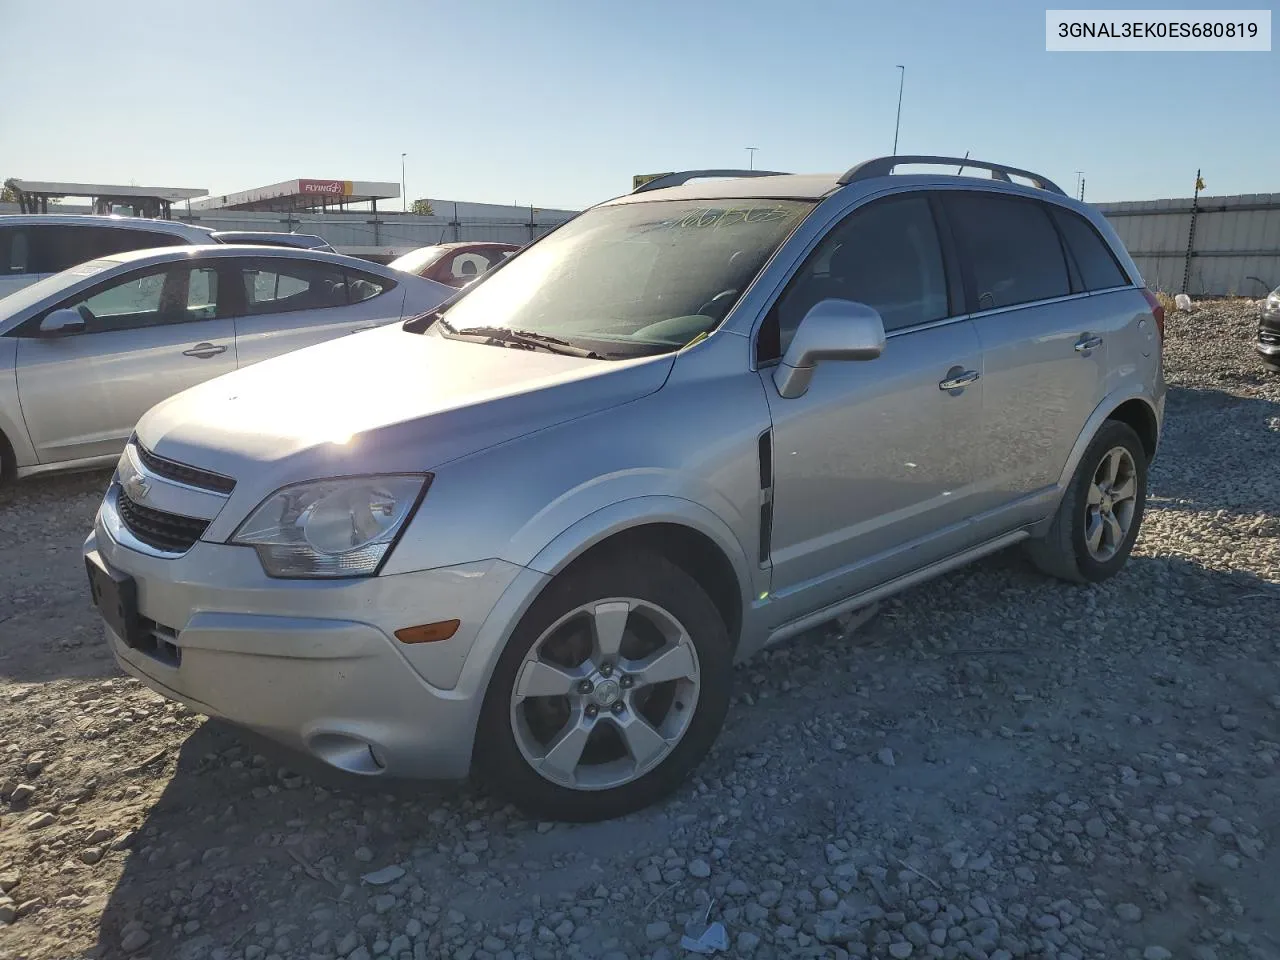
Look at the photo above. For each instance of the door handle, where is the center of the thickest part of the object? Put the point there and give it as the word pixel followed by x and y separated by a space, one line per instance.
pixel 1089 343
pixel 204 351
pixel 960 380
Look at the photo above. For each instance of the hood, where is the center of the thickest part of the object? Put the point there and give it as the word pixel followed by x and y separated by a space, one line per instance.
pixel 383 401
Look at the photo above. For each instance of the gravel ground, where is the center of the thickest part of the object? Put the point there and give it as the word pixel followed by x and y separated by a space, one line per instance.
pixel 997 766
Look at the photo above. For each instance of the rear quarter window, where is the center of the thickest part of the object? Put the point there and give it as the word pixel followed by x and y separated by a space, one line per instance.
pixel 1098 267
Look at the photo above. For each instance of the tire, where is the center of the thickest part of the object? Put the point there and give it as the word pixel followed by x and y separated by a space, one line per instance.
pixel 1065 551
pixel 515 736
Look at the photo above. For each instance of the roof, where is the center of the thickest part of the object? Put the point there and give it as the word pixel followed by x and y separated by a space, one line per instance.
pixel 99 220
pixel 108 190
pixel 165 254
pixel 301 194
pixel 791 186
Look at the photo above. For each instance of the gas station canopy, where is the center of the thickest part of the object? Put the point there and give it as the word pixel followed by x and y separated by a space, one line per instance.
pixel 34 196
pixel 301 194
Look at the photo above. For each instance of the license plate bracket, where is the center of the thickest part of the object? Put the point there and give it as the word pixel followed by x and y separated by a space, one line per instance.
pixel 115 594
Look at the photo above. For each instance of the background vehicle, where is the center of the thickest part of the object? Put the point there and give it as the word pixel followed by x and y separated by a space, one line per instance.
pixel 456 264
pixel 303 241
pixel 1269 331
pixel 692 422
pixel 84 353
pixel 35 246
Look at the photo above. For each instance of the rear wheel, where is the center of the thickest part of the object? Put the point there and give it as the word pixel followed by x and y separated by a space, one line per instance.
pixel 611 690
pixel 1099 518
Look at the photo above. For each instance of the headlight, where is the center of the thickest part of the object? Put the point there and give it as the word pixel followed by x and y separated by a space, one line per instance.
pixel 331 528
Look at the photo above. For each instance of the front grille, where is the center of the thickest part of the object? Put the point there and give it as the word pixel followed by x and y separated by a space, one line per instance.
pixel 191 476
pixel 156 528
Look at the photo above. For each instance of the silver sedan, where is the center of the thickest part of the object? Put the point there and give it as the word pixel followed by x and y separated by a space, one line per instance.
pixel 84 353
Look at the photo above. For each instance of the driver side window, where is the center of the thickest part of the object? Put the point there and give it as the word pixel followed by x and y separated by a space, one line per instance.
pixel 885 255
pixel 159 296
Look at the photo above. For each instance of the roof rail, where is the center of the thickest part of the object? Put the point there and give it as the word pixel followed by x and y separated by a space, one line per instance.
pixel 684 176
pixel 883 166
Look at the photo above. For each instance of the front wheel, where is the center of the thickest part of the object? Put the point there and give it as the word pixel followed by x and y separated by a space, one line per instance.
pixel 611 690
pixel 1098 520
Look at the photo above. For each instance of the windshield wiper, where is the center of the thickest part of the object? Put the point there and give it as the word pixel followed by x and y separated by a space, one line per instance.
pixel 524 338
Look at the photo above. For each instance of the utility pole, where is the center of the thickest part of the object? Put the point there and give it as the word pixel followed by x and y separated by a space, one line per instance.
pixel 1081 197
pixel 751 157
pixel 404 194
pixel 902 79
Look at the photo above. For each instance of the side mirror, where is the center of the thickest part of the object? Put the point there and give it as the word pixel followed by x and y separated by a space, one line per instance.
pixel 831 330
pixel 59 323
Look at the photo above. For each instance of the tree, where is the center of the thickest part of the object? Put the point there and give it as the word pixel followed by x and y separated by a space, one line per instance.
pixel 422 208
pixel 8 194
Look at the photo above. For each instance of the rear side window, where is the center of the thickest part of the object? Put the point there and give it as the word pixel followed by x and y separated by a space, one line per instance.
pixel 282 286
pixel 15 251
pixel 1098 266
pixel 59 247
pixel 1012 247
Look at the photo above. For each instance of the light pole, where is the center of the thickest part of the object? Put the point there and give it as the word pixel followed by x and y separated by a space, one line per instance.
pixel 1079 174
pixel 902 79
pixel 751 157
pixel 404 194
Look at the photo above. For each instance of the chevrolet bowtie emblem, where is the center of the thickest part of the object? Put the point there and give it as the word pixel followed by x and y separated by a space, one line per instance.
pixel 136 488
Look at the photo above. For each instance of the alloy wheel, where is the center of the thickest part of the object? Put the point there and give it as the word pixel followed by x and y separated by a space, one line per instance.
pixel 605 694
pixel 1111 503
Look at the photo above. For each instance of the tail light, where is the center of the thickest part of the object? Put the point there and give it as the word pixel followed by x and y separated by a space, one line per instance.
pixel 1157 310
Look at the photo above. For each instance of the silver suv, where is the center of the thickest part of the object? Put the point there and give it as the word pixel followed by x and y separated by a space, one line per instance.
pixel 528 534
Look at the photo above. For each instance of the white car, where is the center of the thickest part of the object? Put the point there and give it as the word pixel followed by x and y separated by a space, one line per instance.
pixel 35 246
pixel 85 353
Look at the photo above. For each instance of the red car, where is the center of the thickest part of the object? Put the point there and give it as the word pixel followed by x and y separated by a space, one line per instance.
pixel 456 264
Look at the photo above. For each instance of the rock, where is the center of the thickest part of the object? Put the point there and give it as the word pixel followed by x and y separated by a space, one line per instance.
pixel 916 933
pixel 100 835
pixel 359 953
pixel 657 930
pixel 384 902
pixel 699 868
pixel 747 942
pixel 1156 953
pixel 900 950
pixel 347 943
pixel 91 854
pixel 9 879
pixel 363 854
pixel 1220 826
pixel 380 878
pixel 135 940
pixel 1128 912
pixel 834 854
pixel 1230 721
pixel 8 910
pixel 39 820
pixel 885 756
pixel 1096 828
pixel 22 793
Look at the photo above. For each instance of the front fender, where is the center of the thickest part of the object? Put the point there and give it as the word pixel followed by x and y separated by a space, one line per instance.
pixel 12 424
pixel 623 515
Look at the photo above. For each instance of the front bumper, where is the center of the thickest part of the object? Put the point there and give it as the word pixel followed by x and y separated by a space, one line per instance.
pixel 315 664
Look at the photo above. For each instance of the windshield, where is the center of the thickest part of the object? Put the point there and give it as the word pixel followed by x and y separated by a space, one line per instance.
pixel 50 286
pixel 631 279
pixel 415 261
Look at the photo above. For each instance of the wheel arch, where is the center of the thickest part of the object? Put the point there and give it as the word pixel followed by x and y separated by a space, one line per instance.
pixel 1130 407
pixel 683 532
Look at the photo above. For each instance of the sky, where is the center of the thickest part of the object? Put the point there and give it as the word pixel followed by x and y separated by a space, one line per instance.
pixel 558 103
